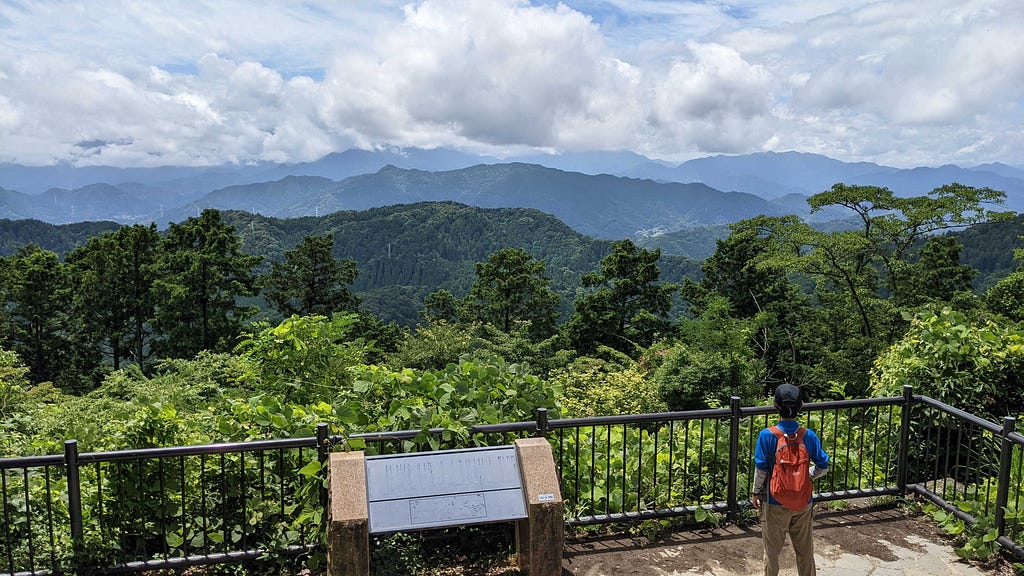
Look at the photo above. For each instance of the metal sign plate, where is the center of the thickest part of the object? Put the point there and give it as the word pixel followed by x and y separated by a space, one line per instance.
pixel 447 488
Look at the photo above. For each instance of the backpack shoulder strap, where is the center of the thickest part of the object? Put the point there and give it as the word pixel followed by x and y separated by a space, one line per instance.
pixel 777 431
pixel 800 433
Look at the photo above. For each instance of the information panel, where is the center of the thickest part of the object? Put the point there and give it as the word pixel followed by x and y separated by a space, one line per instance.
pixel 445 488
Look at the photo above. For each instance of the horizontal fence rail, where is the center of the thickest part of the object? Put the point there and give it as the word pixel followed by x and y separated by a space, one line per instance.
pixel 147 509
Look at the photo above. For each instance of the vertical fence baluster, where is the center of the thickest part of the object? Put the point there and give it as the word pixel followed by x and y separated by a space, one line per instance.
pixel 560 462
pixel 244 519
pixel 280 478
pixel 654 466
pixel 1002 494
pixel 946 467
pixel 622 495
pixel 263 479
pixel 104 528
pixel 28 520
pixel 671 458
pixel 874 448
pixel 576 464
pixel 700 464
pixel 74 499
pixel 970 453
pixel 162 513
pixel 860 453
pixel 888 446
pixel 734 456
pixel 323 450
pixel 8 541
pixel 639 465
pixel 593 456
pixel 202 501
pixel 49 520
pixel 935 457
pixel 901 461
pixel 608 471
pixel 1016 492
pixel 686 459
pixel 834 483
pixel 224 504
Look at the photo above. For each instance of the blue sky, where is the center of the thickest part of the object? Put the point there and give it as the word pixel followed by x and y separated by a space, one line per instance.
pixel 193 82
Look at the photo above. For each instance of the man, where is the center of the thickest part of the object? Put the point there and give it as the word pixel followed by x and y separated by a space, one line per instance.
pixel 778 520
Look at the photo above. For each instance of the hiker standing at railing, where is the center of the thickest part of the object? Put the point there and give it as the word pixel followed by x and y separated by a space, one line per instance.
pixel 783 473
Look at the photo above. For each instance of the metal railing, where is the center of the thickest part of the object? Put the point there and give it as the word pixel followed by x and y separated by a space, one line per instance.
pixel 136 510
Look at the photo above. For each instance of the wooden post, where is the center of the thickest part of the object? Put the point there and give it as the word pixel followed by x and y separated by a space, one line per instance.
pixel 540 537
pixel 348 520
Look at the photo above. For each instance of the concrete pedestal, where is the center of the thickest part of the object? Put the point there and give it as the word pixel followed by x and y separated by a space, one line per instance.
pixel 541 536
pixel 348 522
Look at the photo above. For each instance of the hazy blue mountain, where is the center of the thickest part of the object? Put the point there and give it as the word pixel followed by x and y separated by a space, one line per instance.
pixel 766 174
pixel 179 179
pixel 1001 169
pixel 631 200
pixel 341 165
pixel 918 181
pixel 597 162
pixel 601 206
pixel 788 175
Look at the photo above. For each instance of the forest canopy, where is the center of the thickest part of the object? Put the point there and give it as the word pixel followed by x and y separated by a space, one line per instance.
pixel 182 331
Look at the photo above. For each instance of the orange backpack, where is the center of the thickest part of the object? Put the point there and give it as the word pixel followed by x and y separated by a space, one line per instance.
pixel 790 482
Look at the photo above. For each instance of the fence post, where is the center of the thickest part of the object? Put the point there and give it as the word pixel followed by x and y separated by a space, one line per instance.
pixel 323 450
pixel 734 456
pixel 74 499
pixel 1003 486
pixel 901 457
pixel 542 423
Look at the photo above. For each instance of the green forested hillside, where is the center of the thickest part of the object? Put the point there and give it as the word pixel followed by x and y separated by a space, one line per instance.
pixel 57 238
pixel 407 251
pixel 989 247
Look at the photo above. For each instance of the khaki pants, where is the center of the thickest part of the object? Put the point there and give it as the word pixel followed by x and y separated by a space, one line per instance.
pixel 776 521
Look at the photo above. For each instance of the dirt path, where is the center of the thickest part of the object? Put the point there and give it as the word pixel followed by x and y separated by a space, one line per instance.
pixel 868 541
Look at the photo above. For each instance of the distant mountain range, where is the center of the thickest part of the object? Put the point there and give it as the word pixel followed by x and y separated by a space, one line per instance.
pixel 602 194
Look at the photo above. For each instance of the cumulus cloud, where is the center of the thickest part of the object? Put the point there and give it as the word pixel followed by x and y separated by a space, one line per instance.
pixel 714 101
pixel 154 83
pixel 498 73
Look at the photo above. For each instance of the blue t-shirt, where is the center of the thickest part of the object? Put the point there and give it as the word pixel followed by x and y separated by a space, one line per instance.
pixel 767 443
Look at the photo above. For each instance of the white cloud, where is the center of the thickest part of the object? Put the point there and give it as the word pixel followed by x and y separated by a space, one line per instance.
pixel 898 81
pixel 498 73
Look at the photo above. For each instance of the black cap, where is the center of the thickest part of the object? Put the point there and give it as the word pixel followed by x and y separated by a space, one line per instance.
pixel 788 395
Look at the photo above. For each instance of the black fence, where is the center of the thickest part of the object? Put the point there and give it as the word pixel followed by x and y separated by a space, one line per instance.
pixel 136 510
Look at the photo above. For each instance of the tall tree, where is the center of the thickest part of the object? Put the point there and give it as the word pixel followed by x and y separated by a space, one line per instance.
pixel 113 288
pixel 43 330
pixel 201 273
pixel 738 283
pixel 440 306
pixel 938 274
pixel 736 270
pixel 627 307
pixel 311 281
pixel 511 287
pixel 866 266
pixel 861 276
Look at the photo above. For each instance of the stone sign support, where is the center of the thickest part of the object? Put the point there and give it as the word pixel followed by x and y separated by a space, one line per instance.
pixel 348 522
pixel 400 492
pixel 541 535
